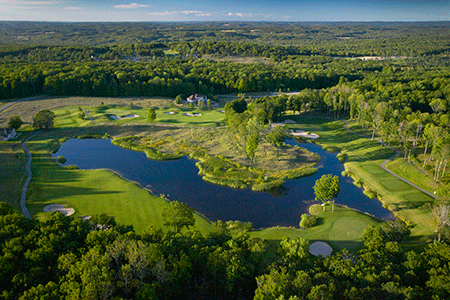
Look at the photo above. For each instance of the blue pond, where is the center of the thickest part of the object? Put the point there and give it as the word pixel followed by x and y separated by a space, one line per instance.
pixel 179 180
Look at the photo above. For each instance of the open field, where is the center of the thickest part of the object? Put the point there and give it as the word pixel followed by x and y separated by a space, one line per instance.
pixel 363 161
pixel 240 59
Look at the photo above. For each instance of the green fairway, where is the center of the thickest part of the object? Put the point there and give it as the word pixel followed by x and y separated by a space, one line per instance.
pixel 93 192
pixel 364 158
pixel 177 115
pixel 341 229
pixel 416 174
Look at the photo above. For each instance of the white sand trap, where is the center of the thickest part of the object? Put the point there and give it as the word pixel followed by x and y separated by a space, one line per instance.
pixel 115 117
pixel 191 115
pixel 169 112
pixel 304 134
pixel 320 248
pixel 222 111
pixel 60 208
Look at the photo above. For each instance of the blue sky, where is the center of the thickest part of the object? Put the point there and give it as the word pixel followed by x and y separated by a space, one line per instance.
pixel 228 10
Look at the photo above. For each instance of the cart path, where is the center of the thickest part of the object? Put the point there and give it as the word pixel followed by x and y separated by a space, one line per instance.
pixel 383 165
pixel 25 186
pixel 3 107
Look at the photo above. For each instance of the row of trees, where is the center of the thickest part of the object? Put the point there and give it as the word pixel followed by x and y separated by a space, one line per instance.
pixel 162 78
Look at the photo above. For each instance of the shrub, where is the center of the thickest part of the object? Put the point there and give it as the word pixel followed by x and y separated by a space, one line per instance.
pixel 239 226
pixel 268 186
pixel 369 193
pixel 61 159
pixel 358 183
pixel 308 221
pixel 333 149
pixel 71 167
pixel 341 157
pixel 236 184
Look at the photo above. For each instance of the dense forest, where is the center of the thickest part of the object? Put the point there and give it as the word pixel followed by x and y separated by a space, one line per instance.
pixel 393 79
pixel 66 258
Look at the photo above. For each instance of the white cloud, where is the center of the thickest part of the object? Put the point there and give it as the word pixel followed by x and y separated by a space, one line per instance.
pixel 73 8
pixel 131 6
pixel 241 15
pixel 196 13
pixel 19 3
pixel 37 2
pixel 164 13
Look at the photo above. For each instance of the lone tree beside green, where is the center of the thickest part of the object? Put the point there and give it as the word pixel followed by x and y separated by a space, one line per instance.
pixel 277 136
pixel 178 215
pixel 151 115
pixel 15 122
pixel 44 119
pixel 327 188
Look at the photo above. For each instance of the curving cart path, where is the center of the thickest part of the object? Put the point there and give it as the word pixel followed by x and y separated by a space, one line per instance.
pixel 27 182
pixel 383 165
pixel 3 107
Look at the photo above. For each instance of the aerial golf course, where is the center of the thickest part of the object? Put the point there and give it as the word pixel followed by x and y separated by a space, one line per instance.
pixel 98 191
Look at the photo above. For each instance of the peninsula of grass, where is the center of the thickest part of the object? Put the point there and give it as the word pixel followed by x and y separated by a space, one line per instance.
pixel 363 160
pixel 342 228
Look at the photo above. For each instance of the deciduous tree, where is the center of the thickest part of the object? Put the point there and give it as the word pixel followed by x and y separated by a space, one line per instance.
pixel 178 215
pixel 44 119
pixel 15 122
pixel 327 188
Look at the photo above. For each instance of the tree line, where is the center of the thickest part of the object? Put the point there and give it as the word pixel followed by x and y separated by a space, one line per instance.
pixel 71 258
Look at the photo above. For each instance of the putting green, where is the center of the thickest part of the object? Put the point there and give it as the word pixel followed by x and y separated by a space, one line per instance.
pixel 341 231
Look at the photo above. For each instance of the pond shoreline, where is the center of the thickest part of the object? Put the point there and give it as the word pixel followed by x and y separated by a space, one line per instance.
pixel 179 180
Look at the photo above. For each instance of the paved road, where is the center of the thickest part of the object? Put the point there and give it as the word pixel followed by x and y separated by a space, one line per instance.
pixel 383 165
pixel 25 186
pixel 3 107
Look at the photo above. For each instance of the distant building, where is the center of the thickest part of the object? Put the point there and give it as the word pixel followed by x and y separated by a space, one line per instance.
pixel 7 134
pixel 197 98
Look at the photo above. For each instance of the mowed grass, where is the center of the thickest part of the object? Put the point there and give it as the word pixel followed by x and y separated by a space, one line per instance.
pixel 177 115
pixel 415 174
pixel 341 229
pixel 12 172
pixel 93 192
pixel 364 158
pixel 27 109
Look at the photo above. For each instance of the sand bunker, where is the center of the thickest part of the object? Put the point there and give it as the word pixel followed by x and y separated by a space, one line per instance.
pixel 191 115
pixel 169 112
pixel 114 117
pixel 304 134
pixel 60 208
pixel 320 248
